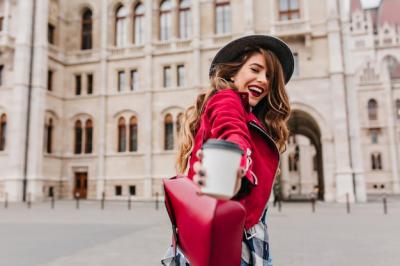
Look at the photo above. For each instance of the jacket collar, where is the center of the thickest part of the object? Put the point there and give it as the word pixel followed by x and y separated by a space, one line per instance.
pixel 244 97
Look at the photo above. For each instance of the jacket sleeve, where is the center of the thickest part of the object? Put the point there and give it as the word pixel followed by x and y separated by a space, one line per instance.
pixel 227 120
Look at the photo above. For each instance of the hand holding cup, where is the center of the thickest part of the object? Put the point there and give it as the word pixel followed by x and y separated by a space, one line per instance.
pixel 200 177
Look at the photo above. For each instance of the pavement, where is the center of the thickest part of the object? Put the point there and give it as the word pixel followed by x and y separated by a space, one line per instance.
pixel 117 236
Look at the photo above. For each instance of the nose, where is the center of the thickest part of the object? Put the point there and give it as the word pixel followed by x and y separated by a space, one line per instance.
pixel 262 78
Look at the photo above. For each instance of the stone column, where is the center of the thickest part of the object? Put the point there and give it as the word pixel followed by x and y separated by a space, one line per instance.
pixel 196 74
pixel 343 171
pixel 391 116
pixel 306 15
pixel 272 12
pixel 354 125
pixel 147 116
pixel 39 88
pixel 328 159
pixel 102 140
pixel 6 27
pixel 18 110
pixel 285 174
pixel 355 141
pixel 249 16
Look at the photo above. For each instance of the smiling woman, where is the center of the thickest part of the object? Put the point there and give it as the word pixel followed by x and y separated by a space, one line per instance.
pixel 246 104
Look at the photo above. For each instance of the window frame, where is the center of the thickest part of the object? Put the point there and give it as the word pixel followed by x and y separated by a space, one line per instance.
pixel 78 84
pixel 121 130
pixel 223 25
pixel 134 80
pixel 120 26
pixel 87 30
pixel 78 137
pixel 138 24
pixel 185 20
pixel 372 108
pixel 118 190
pixel 88 137
pixel 296 69
pixel 89 78
pixel 181 77
pixel 376 161
pixel 3 131
pixel 49 136
pixel 133 134
pixel 397 108
pixel 121 80
pixel 1 23
pixel 1 74
pixel 165 21
pixel 51 29
pixel 168 132
pixel 50 76
pixel 289 12
pixel 167 76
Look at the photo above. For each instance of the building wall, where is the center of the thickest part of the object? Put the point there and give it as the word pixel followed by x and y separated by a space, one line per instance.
pixel 316 89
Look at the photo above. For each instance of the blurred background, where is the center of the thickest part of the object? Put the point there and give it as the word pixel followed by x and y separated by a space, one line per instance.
pixel 92 91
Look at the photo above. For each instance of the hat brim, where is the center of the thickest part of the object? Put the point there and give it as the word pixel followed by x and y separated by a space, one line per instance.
pixel 235 48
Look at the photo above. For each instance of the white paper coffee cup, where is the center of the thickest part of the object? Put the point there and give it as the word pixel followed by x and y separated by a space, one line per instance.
pixel 221 160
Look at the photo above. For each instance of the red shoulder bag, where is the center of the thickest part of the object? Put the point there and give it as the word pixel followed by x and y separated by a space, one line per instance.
pixel 208 231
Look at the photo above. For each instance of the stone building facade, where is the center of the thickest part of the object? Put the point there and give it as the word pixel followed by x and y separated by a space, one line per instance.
pixel 92 90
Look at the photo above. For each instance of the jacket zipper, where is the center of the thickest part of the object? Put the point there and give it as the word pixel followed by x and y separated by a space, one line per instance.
pixel 265 134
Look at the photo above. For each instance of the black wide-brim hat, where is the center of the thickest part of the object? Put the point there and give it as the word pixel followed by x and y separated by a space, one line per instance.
pixel 236 48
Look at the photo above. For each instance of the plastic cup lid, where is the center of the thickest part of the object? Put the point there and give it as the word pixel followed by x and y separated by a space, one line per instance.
pixel 222 144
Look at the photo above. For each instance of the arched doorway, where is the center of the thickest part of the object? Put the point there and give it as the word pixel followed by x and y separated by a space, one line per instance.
pixel 301 164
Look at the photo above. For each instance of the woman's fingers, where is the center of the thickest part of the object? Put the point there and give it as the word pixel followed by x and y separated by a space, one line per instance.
pixel 241 172
pixel 199 180
pixel 199 169
pixel 199 154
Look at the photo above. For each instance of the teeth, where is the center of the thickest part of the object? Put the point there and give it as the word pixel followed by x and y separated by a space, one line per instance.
pixel 256 89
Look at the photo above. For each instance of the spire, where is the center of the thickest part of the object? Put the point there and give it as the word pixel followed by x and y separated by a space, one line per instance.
pixel 355 5
pixel 389 12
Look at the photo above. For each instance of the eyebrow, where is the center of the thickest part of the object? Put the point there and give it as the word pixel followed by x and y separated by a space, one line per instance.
pixel 260 66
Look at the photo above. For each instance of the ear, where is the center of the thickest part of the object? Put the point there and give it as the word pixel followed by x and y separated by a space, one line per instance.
pixel 232 79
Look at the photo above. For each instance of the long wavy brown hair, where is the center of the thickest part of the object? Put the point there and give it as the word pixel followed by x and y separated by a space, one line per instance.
pixel 273 111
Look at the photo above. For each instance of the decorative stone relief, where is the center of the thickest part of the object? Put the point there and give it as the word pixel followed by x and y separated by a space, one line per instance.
pixel 369 74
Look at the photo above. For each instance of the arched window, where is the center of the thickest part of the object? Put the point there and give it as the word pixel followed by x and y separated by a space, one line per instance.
pixel 121 135
pixel 168 132
pixel 179 122
pixel 138 24
pixel 222 17
pixel 87 24
pixel 120 26
pixel 293 162
pixel 398 108
pixel 133 134
pixel 78 137
pixel 49 136
pixel 3 131
pixel 185 19
pixel 165 20
pixel 89 136
pixel 372 109
pixel 376 161
pixel 394 67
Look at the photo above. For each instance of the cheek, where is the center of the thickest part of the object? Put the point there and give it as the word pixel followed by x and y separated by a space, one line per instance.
pixel 239 84
pixel 264 94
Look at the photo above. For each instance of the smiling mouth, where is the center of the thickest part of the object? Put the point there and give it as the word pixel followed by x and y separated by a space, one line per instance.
pixel 255 91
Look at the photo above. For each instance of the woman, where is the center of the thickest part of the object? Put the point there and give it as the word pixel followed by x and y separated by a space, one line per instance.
pixel 246 104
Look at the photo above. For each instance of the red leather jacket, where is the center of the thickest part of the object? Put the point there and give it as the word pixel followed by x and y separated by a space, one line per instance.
pixel 227 116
